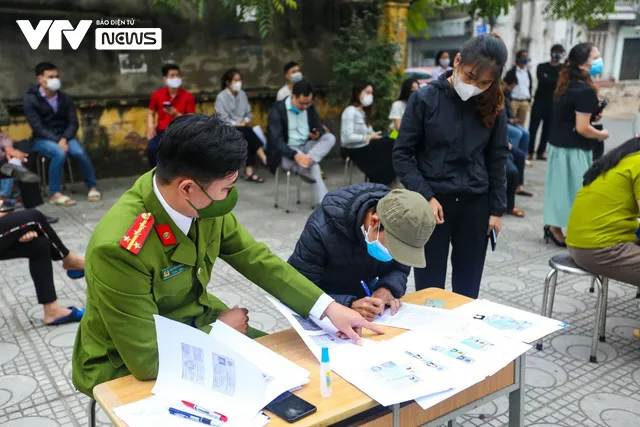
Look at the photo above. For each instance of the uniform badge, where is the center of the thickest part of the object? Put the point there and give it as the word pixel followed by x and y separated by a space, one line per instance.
pixel 174 270
pixel 166 236
pixel 138 233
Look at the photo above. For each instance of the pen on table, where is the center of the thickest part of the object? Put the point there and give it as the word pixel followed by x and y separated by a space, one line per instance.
pixel 188 416
pixel 215 415
pixel 368 292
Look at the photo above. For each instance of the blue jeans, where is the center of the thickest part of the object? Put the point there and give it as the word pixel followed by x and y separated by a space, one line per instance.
pixel 518 137
pixel 57 156
pixel 6 187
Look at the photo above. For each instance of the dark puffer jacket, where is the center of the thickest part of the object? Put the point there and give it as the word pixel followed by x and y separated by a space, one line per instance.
pixel 332 253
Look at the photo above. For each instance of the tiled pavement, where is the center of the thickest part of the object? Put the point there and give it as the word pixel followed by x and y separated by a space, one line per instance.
pixel 563 388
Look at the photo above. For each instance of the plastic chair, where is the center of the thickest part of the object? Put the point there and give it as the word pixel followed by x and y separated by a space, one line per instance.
pixel 288 189
pixel 564 263
pixel 41 164
pixel 91 413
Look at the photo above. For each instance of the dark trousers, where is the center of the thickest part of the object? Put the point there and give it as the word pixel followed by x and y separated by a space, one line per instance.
pixel 31 195
pixel 466 219
pixel 40 251
pixel 375 160
pixel 253 143
pixel 152 149
pixel 598 151
pixel 512 183
pixel 540 112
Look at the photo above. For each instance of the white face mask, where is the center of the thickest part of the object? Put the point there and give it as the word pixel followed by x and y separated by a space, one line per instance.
pixel 445 62
pixel 465 90
pixel 174 82
pixel 54 84
pixel 236 86
pixel 296 77
pixel 366 100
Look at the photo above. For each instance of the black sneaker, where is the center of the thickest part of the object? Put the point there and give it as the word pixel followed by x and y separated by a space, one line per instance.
pixel 52 220
pixel 20 173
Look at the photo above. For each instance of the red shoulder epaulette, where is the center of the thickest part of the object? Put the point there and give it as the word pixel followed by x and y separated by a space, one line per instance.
pixel 138 233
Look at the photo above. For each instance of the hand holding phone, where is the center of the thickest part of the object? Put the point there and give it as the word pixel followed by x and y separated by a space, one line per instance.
pixel 494 239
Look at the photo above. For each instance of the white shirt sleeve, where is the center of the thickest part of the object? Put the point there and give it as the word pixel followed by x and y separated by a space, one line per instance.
pixel 320 306
pixel 397 110
pixel 283 92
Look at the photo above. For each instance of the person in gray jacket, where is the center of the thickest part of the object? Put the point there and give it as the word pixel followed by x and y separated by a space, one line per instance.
pixel 232 105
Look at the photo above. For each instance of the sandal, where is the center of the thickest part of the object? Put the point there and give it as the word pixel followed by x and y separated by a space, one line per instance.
pixel 254 178
pixel 75 274
pixel 517 212
pixel 63 200
pixel 94 196
pixel 75 316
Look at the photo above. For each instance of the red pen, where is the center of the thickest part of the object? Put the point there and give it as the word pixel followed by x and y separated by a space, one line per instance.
pixel 216 415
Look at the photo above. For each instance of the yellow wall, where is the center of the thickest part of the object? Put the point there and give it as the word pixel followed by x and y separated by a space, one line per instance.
pixel 126 127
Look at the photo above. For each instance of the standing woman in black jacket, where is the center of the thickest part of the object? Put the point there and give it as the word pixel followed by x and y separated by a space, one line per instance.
pixel 452 148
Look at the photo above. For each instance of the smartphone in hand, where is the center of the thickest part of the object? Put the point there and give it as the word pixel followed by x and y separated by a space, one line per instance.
pixel 493 237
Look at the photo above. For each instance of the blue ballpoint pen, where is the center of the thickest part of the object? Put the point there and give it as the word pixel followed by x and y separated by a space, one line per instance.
pixel 192 417
pixel 367 291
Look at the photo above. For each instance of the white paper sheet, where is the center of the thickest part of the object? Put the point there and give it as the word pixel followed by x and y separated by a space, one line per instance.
pixel 511 322
pixel 314 332
pixel 258 131
pixel 389 374
pixel 154 411
pixel 279 373
pixel 196 367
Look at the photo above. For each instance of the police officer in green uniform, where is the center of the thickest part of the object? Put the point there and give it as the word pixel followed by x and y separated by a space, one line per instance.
pixel 153 252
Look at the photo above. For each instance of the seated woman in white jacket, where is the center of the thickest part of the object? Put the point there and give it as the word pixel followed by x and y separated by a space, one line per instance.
pixel 370 151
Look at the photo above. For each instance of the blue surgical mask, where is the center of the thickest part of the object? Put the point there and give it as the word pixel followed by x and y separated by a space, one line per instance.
pixel 596 67
pixel 375 248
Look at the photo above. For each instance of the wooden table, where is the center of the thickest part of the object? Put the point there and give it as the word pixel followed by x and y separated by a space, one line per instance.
pixel 348 405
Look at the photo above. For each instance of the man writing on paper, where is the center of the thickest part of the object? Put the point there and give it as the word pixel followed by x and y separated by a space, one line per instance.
pixel 365 232
pixel 154 250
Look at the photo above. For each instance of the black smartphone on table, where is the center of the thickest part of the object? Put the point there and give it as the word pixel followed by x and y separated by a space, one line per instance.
pixel 290 407
pixel 493 238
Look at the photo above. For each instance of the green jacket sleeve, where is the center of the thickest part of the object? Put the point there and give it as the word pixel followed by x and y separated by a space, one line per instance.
pixel 256 262
pixel 122 285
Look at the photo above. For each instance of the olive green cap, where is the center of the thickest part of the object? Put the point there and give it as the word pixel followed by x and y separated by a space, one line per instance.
pixel 408 222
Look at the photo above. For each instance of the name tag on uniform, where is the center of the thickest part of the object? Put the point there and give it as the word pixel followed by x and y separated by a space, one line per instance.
pixel 174 270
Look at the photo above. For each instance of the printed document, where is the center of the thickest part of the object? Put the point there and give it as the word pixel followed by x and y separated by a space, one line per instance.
pixel 314 332
pixel 199 368
pixel 154 411
pixel 511 322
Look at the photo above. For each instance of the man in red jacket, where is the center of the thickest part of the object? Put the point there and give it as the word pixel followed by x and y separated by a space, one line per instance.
pixel 167 103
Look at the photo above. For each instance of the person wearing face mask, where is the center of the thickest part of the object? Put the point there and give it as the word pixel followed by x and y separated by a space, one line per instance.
pixel 452 148
pixel 369 150
pixel 297 139
pixel 232 105
pixel 153 254
pixel 292 74
pixel 165 105
pixel 443 64
pixel 521 84
pixel 548 74
pixel 400 105
pixel 365 232
pixel 572 138
pixel 52 116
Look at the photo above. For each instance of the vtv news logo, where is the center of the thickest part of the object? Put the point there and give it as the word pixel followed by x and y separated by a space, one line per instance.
pixel 106 38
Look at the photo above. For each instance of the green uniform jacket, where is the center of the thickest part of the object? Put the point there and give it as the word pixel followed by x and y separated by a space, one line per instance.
pixel 117 335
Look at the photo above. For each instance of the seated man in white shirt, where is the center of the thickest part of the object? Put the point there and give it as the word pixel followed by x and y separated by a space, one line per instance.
pixel 293 74
pixel 297 140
